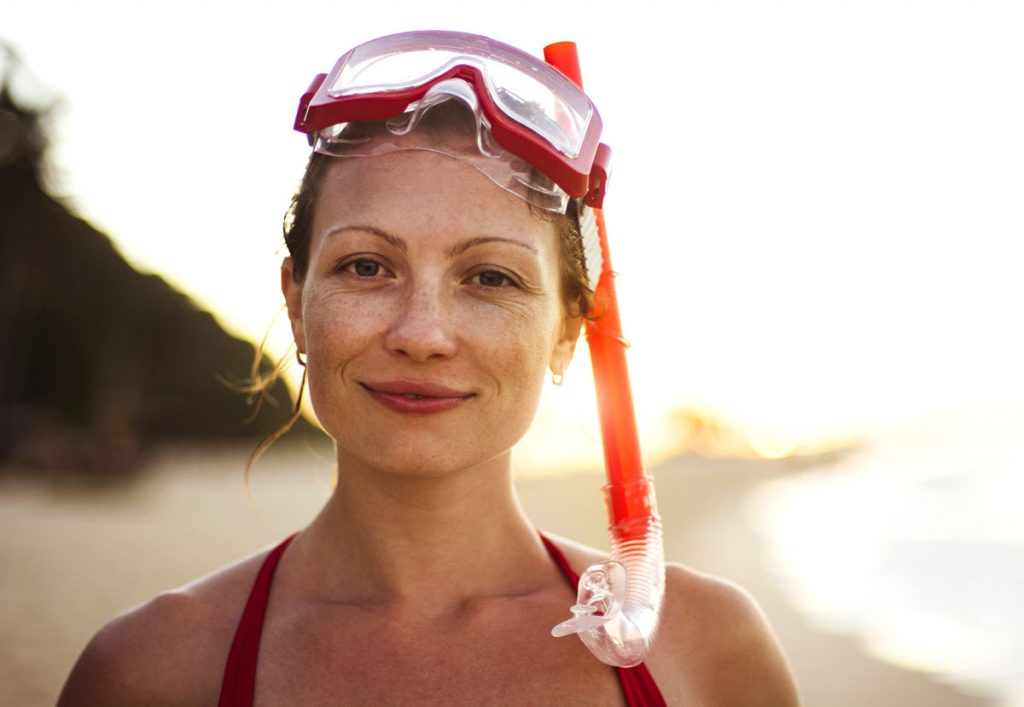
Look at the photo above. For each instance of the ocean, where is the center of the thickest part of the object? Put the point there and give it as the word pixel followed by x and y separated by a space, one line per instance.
pixel 915 544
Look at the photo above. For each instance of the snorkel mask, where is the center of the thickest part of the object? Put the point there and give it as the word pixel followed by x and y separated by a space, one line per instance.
pixel 529 110
pixel 535 134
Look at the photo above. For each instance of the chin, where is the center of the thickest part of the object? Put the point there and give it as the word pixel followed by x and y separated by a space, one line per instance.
pixel 436 460
pixel 424 452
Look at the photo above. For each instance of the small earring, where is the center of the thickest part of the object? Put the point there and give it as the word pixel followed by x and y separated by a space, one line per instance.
pixel 557 378
pixel 298 357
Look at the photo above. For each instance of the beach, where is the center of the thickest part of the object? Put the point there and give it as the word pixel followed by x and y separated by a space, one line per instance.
pixel 73 557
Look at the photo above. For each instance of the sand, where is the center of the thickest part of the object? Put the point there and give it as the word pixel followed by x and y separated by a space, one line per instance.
pixel 73 559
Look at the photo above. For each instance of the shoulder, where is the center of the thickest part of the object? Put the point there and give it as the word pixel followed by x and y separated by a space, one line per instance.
pixel 170 650
pixel 715 636
pixel 714 645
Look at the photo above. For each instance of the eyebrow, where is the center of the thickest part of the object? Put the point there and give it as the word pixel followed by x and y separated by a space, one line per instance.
pixel 456 249
pixel 472 242
pixel 393 240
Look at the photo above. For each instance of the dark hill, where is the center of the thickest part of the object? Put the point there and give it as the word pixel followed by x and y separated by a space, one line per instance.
pixel 98 361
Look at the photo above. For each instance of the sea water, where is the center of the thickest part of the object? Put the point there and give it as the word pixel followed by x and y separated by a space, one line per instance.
pixel 916 545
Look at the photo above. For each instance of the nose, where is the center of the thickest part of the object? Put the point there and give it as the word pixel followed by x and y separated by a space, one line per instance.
pixel 423 329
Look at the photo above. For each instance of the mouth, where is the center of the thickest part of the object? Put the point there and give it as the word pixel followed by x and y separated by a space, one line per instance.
pixel 416 397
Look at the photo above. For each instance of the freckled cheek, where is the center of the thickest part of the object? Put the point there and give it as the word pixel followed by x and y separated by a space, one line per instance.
pixel 518 356
pixel 338 327
pixel 338 332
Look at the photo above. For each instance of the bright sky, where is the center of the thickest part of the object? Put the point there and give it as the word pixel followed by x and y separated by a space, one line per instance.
pixel 816 207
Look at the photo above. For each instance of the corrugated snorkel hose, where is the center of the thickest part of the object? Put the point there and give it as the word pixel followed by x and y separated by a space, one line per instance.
pixel 618 605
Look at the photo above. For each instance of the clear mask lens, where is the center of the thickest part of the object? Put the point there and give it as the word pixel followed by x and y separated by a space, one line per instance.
pixel 520 85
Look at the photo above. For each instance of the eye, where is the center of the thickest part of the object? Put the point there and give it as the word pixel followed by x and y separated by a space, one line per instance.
pixel 363 267
pixel 493 278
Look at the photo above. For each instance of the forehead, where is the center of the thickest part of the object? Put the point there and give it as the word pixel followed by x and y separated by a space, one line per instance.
pixel 423 193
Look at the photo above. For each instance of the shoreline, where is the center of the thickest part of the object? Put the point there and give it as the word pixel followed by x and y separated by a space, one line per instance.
pixel 703 503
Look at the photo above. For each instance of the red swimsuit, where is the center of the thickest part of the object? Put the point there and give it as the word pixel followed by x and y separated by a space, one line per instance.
pixel 240 674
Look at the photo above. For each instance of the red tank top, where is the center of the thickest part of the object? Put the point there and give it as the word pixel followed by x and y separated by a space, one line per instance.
pixel 239 683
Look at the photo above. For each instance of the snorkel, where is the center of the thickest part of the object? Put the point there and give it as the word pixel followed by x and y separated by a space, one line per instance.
pixel 618 604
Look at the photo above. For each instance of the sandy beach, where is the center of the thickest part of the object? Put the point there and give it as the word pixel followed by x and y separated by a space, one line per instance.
pixel 72 559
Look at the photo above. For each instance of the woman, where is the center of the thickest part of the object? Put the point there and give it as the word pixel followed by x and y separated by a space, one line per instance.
pixel 435 278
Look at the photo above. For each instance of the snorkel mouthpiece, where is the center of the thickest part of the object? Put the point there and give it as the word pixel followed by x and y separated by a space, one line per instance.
pixel 618 603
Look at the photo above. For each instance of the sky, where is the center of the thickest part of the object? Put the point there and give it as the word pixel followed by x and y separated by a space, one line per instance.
pixel 815 207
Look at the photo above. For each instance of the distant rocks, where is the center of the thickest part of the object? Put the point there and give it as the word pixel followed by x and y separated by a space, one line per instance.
pixel 99 362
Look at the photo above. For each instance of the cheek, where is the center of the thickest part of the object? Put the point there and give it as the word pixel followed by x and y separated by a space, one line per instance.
pixel 337 331
pixel 520 347
pixel 333 324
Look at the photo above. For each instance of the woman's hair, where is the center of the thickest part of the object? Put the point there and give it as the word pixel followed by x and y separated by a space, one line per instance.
pixel 574 287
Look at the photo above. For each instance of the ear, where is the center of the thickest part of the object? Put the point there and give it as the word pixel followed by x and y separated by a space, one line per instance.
pixel 566 344
pixel 292 292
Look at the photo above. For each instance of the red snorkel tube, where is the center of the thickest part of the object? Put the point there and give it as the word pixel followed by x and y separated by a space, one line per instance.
pixel 619 602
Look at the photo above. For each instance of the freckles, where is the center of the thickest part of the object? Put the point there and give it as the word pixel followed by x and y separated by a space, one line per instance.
pixel 339 329
pixel 523 355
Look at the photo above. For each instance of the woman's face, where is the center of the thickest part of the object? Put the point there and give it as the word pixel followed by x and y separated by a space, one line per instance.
pixel 429 315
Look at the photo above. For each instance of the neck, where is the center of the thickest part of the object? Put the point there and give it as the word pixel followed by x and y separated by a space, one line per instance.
pixel 398 538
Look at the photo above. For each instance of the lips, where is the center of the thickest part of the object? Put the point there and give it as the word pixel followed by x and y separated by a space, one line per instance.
pixel 416 397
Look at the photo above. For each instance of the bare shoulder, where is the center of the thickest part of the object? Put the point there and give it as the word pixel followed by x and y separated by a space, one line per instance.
pixel 714 647
pixel 167 651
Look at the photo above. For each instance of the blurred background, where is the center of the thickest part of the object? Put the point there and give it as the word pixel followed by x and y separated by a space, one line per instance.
pixel 815 211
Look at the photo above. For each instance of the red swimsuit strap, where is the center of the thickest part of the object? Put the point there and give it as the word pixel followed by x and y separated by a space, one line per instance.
pixel 240 673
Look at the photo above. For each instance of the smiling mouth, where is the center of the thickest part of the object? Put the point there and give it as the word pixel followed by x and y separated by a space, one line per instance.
pixel 416 398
